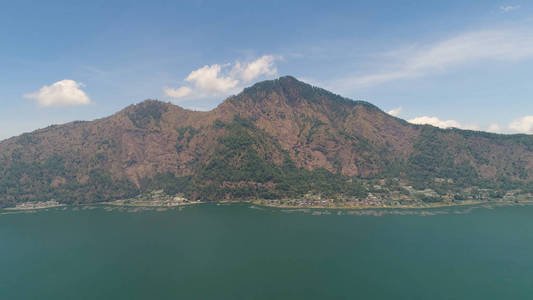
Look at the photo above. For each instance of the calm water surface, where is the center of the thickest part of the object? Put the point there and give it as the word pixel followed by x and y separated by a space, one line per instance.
pixel 235 252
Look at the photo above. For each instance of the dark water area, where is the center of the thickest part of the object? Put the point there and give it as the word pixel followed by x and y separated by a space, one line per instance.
pixel 236 252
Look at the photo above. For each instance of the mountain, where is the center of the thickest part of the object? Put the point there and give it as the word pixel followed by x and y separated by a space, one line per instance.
pixel 277 139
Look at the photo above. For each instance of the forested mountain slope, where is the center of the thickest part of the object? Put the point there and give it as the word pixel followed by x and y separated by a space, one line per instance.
pixel 277 139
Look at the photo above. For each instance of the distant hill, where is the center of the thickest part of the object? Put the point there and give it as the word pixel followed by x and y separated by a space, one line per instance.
pixel 277 139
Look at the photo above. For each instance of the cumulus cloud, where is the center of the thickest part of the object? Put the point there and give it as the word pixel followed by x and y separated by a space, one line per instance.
pixel 435 122
pixel 62 93
pixel 494 128
pixel 502 45
pixel 209 79
pixel 522 125
pixel 215 80
pixel 508 8
pixel 250 71
pixel 181 92
pixel 395 112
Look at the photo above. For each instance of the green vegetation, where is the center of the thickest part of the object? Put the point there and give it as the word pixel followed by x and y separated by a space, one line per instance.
pixel 187 133
pixel 52 180
pixel 434 157
pixel 168 182
pixel 143 114
pixel 28 139
pixel 241 169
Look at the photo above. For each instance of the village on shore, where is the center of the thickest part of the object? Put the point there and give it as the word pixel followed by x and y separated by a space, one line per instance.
pixel 379 196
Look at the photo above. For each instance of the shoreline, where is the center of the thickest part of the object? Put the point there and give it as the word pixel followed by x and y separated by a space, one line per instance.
pixel 361 207
pixel 32 208
pixel 400 207
pixel 261 203
pixel 143 205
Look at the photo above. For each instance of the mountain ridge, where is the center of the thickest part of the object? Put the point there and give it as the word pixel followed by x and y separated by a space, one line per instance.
pixel 274 131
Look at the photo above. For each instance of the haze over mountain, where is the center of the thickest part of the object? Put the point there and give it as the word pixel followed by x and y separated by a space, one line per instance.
pixel 278 138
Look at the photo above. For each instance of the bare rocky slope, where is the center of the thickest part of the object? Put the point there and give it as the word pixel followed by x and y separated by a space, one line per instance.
pixel 276 139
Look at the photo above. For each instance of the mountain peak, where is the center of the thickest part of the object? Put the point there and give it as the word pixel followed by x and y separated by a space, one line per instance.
pixel 294 91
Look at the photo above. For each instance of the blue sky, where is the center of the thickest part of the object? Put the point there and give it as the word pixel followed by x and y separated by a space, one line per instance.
pixel 465 64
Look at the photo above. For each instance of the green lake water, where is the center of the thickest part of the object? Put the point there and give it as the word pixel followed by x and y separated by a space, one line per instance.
pixel 237 252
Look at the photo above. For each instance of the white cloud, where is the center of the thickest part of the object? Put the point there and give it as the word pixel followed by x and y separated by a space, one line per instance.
pixel 502 45
pixel 208 79
pixel 62 93
pixel 395 112
pixel 435 122
pixel 261 66
pixel 181 92
pixel 508 8
pixel 494 128
pixel 522 125
pixel 217 80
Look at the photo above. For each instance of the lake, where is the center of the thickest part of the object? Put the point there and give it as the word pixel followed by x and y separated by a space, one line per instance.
pixel 238 252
